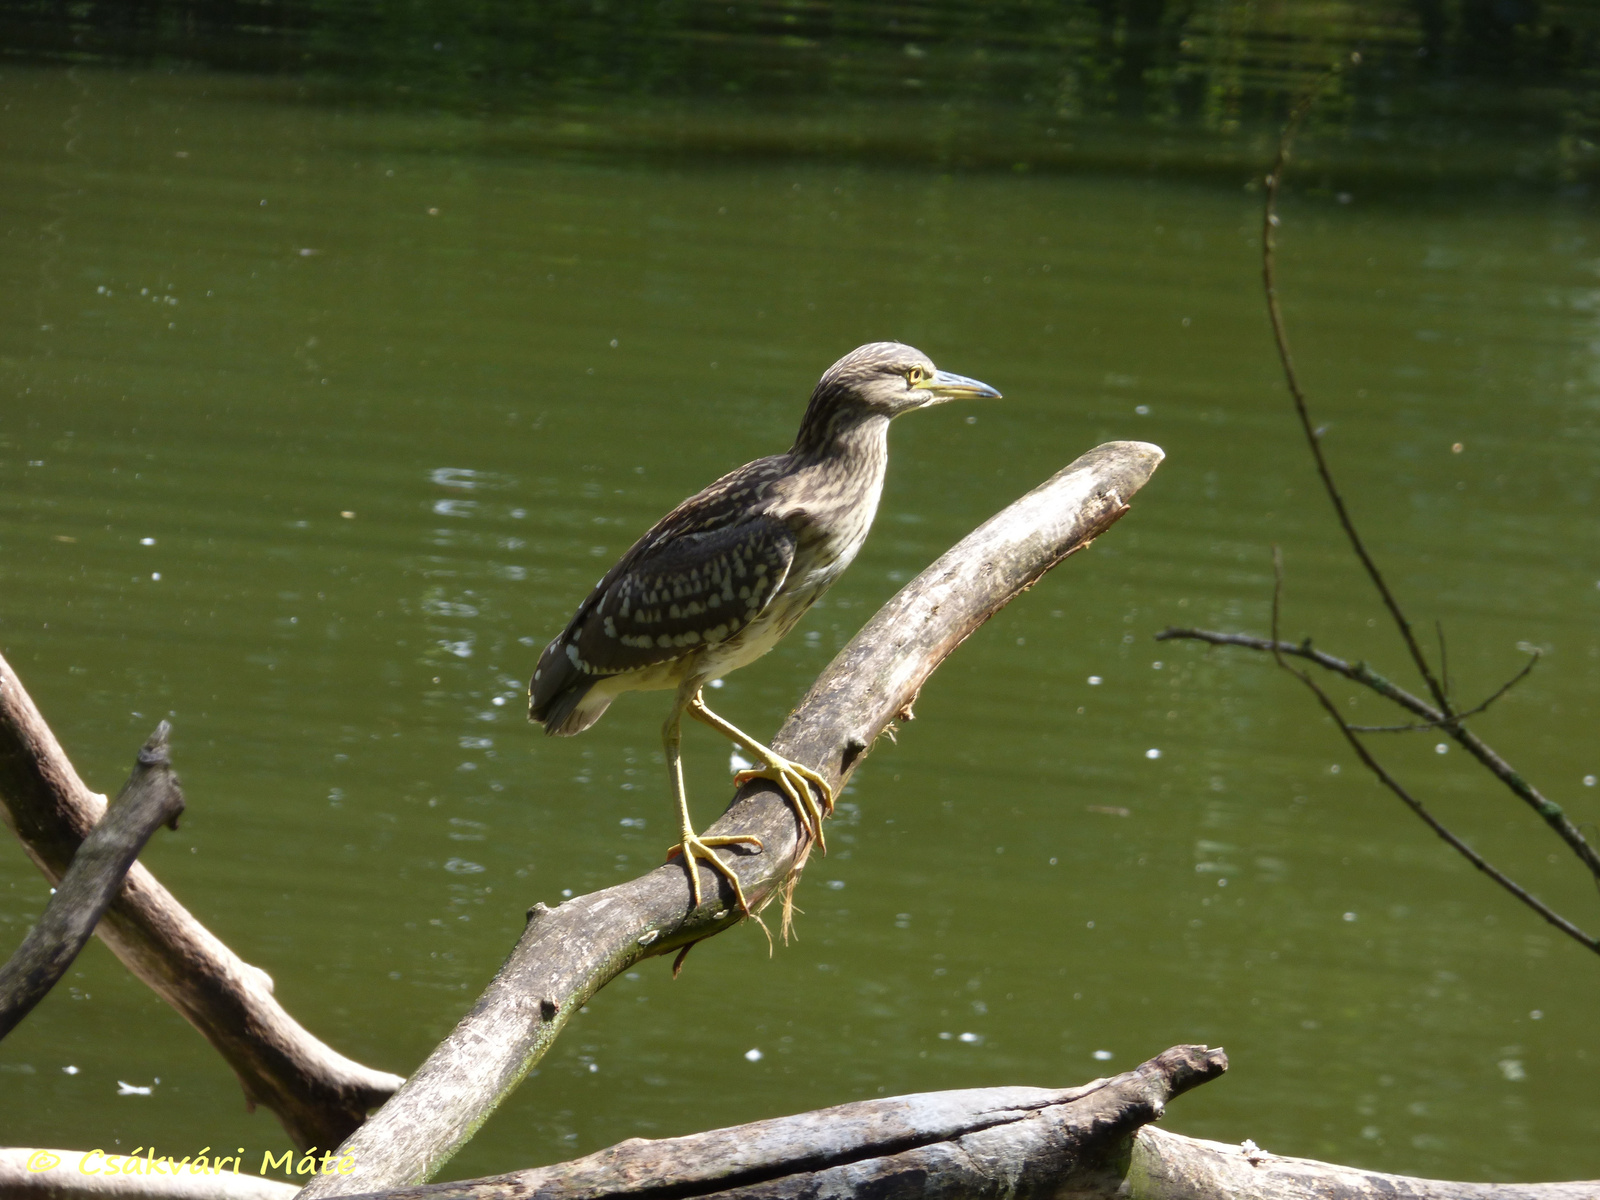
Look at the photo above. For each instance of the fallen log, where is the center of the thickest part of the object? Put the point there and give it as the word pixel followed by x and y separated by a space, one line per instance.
pixel 1005 1141
pixel 147 801
pixel 569 953
pixel 1094 1142
pixel 317 1093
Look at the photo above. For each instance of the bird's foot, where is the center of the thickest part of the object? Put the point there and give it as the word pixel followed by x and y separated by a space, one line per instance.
pixel 796 780
pixel 694 846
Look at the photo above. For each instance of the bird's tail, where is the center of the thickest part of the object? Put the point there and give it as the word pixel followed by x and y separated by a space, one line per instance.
pixel 570 711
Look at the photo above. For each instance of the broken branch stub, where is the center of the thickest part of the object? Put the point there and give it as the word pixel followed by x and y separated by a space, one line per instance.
pixel 317 1093
pixel 568 953
pixel 148 800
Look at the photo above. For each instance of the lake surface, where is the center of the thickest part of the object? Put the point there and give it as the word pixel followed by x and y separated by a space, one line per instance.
pixel 319 419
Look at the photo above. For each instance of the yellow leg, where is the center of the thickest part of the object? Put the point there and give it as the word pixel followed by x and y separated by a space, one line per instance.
pixel 794 779
pixel 692 846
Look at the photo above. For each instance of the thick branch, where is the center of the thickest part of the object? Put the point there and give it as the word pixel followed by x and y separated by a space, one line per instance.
pixel 1004 1141
pixel 568 953
pixel 318 1094
pixel 148 800
pixel 30 1174
pixel 1551 812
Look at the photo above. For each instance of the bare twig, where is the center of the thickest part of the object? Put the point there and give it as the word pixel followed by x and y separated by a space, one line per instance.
pixel 1552 813
pixel 1533 660
pixel 318 1094
pixel 569 953
pixel 148 800
pixel 1269 225
pixel 1394 785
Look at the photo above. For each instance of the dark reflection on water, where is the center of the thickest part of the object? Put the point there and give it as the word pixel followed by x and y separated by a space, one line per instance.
pixel 318 420
pixel 1498 89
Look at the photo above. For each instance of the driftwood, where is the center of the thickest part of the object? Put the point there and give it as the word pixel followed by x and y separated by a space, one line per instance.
pixel 1167 1166
pixel 1093 1142
pixel 32 1174
pixel 1004 1141
pixel 147 801
pixel 318 1094
pixel 568 953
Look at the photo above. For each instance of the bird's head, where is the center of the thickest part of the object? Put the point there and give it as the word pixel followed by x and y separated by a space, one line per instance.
pixel 890 378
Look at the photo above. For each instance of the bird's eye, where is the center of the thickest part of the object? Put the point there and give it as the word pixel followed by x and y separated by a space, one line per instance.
pixel 917 375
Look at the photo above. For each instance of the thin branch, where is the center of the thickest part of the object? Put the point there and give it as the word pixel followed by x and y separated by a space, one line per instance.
pixel 1269 224
pixel 1394 785
pixel 148 800
pixel 1505 687
pixel 1551 812
pixel 568 953
pixel 1444 656
pixel 1433 823
pixel 318 1094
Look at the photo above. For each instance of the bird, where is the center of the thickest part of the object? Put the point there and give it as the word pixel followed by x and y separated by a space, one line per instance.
pixel 716 583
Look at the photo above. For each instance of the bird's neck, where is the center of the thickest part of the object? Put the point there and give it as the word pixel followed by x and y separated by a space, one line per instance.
pixel 844 435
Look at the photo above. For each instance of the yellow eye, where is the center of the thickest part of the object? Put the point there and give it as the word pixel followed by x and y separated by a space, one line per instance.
pixel 917 375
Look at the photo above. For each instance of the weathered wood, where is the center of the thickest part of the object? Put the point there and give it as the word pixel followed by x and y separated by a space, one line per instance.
pixel 1094 1142
pixel 318 1094
pixel 568 953
pixel 33 1174
pixel 1005 1141
pixel 148 800
pixel 1167 1166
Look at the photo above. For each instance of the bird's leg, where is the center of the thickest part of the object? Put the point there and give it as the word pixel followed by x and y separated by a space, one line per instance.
pixel 791 777
pixel 692 845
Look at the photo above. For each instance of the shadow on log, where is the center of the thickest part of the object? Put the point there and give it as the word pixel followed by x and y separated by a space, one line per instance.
pixel 317 1093
pixel 569 953
pixel 147 801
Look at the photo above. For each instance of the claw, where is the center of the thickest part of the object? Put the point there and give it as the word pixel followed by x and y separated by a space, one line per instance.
pixel 693 846
pixel 796 781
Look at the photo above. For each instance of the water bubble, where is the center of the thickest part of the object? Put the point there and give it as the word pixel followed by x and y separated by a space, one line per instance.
pixel 752 1055
pixel 1095 681
pixel 1152 753
pixel 1102 1055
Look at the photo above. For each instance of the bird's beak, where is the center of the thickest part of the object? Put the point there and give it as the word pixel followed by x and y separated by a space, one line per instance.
pixel 946 385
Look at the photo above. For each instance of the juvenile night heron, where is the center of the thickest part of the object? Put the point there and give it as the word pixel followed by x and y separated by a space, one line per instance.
pixel 723 576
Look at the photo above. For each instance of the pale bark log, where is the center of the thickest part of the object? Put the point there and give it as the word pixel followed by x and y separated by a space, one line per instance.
pixel 1167 1166
pixel 318 1094
pixel 147 801
pixel 80 1175
pixel 568 953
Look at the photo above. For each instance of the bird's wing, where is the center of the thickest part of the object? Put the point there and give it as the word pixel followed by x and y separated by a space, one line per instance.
pixel 671 596
pixel 707 568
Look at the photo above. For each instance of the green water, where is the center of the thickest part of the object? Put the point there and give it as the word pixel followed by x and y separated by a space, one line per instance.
pixel 317 421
